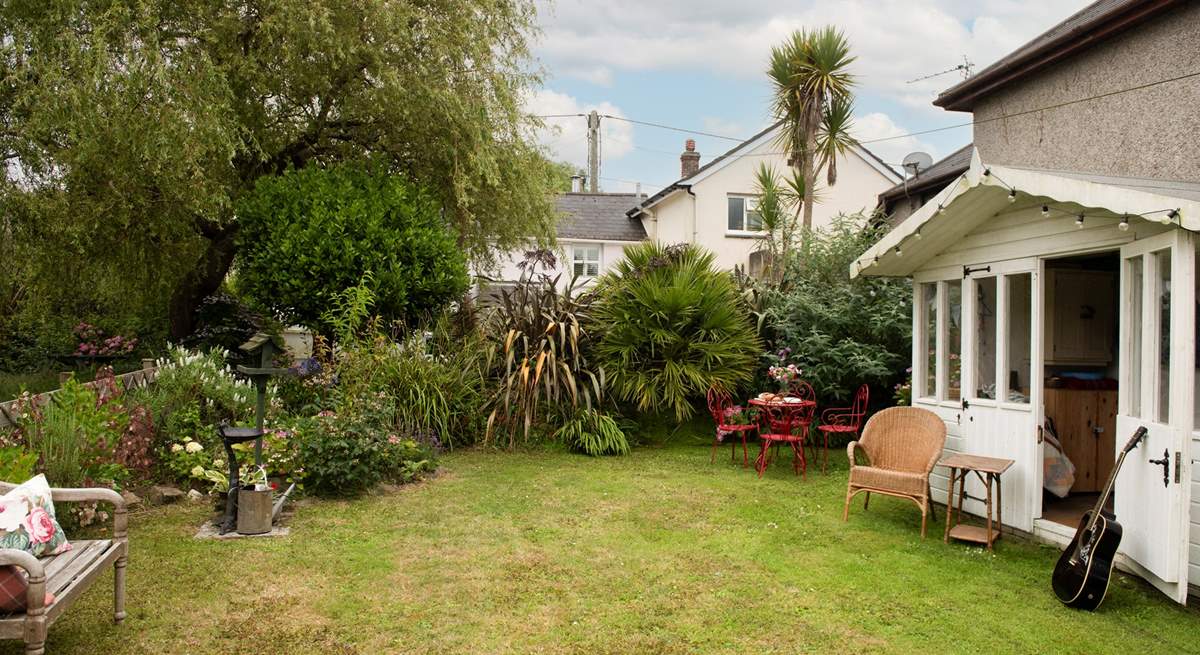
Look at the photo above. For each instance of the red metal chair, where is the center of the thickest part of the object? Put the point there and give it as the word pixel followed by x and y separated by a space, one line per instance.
pixel 785 424
pixel 843 420
pixel 804 391
pixel 719 405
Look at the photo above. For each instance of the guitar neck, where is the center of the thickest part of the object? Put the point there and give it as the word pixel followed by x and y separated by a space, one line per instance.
pixel 1112 476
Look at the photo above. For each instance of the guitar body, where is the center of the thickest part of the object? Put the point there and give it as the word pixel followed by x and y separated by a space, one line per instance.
pixel 1082 583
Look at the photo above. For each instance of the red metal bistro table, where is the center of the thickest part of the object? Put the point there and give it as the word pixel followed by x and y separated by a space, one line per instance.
pixel 782 417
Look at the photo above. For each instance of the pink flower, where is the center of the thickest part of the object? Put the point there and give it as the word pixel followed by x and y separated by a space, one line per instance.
pixel 39 525
pixel 393 439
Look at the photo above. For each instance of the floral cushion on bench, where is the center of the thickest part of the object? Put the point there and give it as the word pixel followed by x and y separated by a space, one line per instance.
pixel 27 520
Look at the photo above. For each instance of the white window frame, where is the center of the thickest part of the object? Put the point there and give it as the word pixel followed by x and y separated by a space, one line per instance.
pixel 585 261
pixel 749 202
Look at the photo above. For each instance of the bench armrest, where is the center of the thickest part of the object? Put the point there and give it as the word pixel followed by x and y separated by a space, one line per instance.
pixel 86 495
pixel 35 595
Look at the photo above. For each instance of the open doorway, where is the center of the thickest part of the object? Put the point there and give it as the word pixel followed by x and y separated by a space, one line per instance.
pixel 1079 380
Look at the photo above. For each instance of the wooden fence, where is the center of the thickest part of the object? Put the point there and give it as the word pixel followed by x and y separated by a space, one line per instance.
pixel 135 379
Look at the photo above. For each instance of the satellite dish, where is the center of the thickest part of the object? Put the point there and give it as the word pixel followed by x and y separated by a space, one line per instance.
pixel 916 162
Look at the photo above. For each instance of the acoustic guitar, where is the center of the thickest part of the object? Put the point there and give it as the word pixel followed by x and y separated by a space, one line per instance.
pixel 1081 576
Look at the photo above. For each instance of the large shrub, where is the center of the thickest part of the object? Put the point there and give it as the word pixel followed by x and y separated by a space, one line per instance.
pixel 841 332
pixel 308 234
pixel 673 326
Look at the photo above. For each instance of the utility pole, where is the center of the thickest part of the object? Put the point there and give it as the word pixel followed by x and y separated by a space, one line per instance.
pixel 593 123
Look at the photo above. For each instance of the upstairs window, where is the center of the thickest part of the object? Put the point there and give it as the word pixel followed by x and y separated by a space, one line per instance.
pixel 743 214
pixel 586 260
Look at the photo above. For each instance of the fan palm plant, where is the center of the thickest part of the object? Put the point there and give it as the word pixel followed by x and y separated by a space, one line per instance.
pixel 673 327
pixel 810 72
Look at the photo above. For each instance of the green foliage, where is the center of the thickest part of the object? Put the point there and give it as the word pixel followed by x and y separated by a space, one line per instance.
pixel 76 437
pixel 194 392
pixel 308 235
pixel 17 464
pixel 348 452
pixel 433 380
pixel 841 332
pixel 593 433
pixel 543 349
pixel 224 321
pixel 134 129
pixel 673 326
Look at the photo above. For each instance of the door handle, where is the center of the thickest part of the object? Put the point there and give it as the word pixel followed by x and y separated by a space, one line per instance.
pixel 1165 462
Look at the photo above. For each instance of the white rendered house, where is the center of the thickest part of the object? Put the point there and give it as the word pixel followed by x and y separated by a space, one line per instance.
pixel 714 205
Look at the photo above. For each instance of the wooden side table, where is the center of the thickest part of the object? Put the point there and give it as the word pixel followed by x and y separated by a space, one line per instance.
pixel 988 470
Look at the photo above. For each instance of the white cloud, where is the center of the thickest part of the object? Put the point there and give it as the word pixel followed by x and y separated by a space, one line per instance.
pixel 878 125
pixel 895 41
pixel 566 138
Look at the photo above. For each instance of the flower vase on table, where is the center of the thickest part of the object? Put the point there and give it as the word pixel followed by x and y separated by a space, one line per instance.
pixel 784 376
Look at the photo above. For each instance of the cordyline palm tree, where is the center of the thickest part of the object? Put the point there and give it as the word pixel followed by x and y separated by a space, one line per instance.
pixel 813 86
pixel 779 202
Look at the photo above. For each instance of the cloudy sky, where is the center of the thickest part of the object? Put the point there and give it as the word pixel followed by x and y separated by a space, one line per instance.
pixel 698 64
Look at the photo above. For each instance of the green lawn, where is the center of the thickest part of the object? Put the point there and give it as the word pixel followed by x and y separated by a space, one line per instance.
pixel 658 552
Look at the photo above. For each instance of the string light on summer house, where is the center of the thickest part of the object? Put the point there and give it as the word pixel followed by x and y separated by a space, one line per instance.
pixel 1012 195
pixel 1124 224
pixel 1079 221
pixel 1045 211
pixel 899 253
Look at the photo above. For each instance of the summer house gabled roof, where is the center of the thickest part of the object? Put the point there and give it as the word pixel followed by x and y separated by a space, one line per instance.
pixel 599 216
pixel 982 192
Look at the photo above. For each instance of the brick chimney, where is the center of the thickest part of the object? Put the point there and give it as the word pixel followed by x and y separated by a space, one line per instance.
pixel 689 161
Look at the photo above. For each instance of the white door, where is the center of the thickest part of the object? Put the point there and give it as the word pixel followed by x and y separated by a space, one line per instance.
pixel 1157 360
pixel 1000 318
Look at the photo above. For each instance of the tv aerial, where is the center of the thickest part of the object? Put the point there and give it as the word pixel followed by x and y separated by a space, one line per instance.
pixel 965 68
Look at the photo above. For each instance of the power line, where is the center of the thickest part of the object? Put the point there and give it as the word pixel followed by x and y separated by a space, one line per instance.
pixel 670 127
pixel 1026 112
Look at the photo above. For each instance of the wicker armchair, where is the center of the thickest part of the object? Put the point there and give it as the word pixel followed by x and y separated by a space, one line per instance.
pixel 902 445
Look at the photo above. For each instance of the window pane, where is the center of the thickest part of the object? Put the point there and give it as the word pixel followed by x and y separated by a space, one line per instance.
pixel 753 220
pixel 954 339
pixel 1163 264
pixel 737 213
pixel 579 269
pixel 929 314
pixel 593 269
pixel 1020 326
pixel 985 338
pixel 1134 342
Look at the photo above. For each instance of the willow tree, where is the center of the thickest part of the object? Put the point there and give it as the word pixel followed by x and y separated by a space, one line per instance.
pixel 812 97
pixel 131 129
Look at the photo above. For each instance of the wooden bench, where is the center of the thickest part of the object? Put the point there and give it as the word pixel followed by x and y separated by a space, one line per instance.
pixel 67 575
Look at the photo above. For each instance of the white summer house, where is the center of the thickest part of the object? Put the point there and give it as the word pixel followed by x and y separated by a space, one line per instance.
pixel 1026 280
